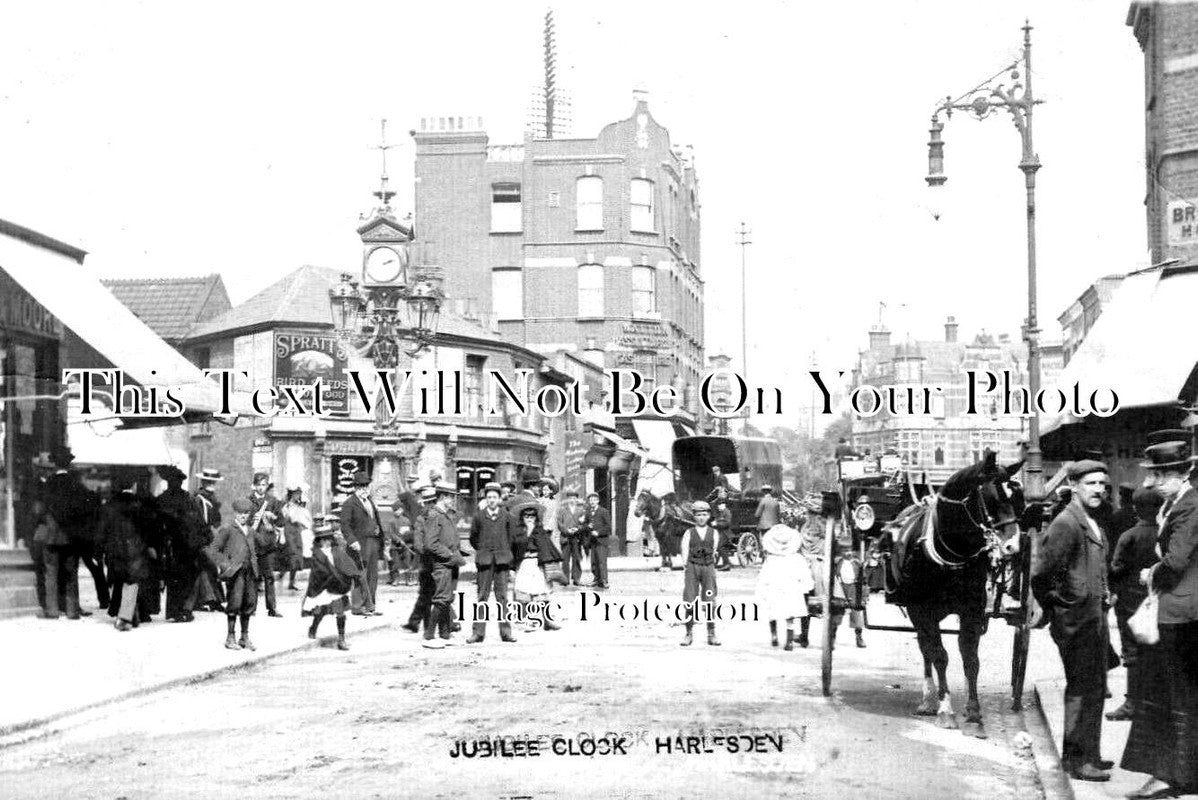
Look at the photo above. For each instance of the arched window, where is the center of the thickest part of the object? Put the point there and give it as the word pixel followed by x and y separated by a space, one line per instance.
pixel 590 290
pixel 588 201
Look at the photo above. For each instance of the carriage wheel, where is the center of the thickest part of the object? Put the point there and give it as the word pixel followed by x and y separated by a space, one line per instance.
pixel 748 549
pixel 1023 632
pixel 830 576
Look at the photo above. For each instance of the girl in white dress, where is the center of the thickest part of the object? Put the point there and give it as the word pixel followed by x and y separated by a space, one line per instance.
pixel 784 581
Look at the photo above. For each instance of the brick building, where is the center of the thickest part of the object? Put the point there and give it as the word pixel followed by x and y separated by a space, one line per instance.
pixel 940 439
pixel 1168 35
pixel 584 245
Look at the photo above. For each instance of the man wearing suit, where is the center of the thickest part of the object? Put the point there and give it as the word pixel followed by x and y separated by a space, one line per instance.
pixel 1163 740
pixel 491 536
pixel 211 594
pixel 71 511
pixel 571 519
pixel 767 509
pixel 237 557
pixel 599 525
pixel 1069 579
pixel 443 551
pixel 363 531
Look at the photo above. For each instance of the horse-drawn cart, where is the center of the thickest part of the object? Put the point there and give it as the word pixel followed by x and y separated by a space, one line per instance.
pixel 956 551
pixel 746 464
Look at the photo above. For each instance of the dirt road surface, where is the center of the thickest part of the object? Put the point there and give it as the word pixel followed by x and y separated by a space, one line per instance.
pixel 614 709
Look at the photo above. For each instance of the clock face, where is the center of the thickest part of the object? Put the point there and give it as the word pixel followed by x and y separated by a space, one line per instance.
pixel 386 265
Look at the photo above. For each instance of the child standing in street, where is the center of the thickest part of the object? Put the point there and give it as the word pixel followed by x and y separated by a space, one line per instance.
pixel 329 581
pixel 785 580
pixel 699 547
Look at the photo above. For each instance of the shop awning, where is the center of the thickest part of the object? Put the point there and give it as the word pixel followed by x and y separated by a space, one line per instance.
pixel 94 443
pixel 657 436
pixel 83 304
pixel 1142 346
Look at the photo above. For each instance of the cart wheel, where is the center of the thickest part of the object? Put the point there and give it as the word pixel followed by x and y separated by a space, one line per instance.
pixel 830 576
pixel 748 550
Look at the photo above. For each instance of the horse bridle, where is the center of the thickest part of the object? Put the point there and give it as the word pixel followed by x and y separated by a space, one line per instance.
pixel 988 526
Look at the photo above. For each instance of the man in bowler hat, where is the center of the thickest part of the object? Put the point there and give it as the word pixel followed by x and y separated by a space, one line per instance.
pixel 363 530
pixel 1069 579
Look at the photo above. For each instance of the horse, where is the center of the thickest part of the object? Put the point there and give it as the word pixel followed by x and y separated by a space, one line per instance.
pixel 944 552
pixel 666 520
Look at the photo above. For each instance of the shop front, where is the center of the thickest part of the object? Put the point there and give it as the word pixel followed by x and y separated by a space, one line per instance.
pixel 31 417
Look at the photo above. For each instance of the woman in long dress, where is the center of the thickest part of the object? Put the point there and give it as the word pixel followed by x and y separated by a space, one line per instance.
pixel 297 526
pixel 784 582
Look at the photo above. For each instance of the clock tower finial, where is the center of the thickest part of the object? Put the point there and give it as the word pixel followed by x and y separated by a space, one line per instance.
pixel 384 194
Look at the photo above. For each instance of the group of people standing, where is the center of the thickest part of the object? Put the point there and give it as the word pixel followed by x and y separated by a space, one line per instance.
pixel 516 558
pixel 1075 573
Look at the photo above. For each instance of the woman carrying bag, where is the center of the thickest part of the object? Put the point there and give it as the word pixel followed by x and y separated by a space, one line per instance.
pixel 1163 740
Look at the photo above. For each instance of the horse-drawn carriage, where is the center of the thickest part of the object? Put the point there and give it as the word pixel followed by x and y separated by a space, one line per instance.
pixel 747 464
pixel 953 551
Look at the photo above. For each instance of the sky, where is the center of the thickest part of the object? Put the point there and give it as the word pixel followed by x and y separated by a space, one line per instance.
pixel 172 139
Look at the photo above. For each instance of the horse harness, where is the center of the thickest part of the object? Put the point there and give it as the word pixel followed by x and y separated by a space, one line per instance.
pixel 933 544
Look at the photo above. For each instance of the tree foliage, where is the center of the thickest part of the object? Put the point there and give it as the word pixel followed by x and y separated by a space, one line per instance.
pixel 808 460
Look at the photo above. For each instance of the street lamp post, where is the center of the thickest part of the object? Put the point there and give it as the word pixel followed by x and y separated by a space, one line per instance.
pixel 981 101
pixel 379 322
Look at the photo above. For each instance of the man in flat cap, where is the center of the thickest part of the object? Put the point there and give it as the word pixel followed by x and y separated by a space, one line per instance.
pixel 266 526
pixel 1069 579
pixel 234 551
pixel 442 547
pixel 424 597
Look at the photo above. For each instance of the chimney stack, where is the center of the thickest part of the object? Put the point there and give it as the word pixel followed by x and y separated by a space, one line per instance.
pixel 950 329
pixel 879 338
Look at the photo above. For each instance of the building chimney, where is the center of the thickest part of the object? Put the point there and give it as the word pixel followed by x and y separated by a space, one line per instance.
pixel 879 338
pixel 950 329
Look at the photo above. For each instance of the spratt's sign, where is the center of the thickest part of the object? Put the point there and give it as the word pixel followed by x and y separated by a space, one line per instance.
pixel 19 311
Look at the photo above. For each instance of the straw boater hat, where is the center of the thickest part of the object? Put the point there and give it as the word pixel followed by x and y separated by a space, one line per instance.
pixel 780 540
pixel 211 475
